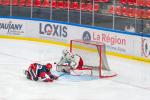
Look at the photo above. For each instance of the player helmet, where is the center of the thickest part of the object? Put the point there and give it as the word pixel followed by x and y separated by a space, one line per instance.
pixel 48 66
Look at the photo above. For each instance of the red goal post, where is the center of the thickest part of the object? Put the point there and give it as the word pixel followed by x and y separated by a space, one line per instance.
pixel 94 57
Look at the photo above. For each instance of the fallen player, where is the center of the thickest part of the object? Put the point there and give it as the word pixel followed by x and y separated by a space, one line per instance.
pixel 37 72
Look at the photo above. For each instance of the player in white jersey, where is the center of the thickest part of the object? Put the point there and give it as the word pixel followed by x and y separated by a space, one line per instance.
pixel 72 63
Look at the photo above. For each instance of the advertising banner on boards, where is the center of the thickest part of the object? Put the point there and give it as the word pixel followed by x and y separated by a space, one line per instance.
pixel 116 42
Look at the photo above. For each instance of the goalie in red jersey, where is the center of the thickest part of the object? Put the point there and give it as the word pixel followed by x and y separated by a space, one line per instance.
pixel 40 72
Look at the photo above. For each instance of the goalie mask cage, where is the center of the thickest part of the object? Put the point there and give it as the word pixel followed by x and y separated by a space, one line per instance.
pixel 94 57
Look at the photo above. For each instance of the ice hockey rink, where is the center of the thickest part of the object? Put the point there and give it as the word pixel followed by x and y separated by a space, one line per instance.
pixel 131 83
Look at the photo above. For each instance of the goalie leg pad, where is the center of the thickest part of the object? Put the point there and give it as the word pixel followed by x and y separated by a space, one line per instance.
pixel 62 68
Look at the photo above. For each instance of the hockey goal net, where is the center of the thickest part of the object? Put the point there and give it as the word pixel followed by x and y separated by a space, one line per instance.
pixel 94 57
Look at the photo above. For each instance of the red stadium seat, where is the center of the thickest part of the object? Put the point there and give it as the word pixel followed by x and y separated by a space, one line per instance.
pixel 45 4
pixel 37 3
pixel 148 14
pixel 89 7
pixel 131 12
pixel 83 7
pixel 67 4
pixel 124 11
pixel 101 0
pixel 75 5
pixel 28 3
pixel 54 4
pixel 111 9
pixel 0 2
pixel 140 3
pixel 123 1
pixel 22 2
pixel 96 7
pixel 147 3
pixel 6 2
pixel 60 4
pixel 144 14
pixel 118 10
pixel 106 0
pixel 138 13
pixel 15 2
pixel 131 2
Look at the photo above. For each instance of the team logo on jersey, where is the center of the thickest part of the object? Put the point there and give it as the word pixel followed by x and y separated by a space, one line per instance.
pixel 145 47
pixel 86 36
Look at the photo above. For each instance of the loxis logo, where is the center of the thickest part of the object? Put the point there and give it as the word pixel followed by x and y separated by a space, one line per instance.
pixel 53 30
pixel 12 27
pixel 145 47
pixel 86 36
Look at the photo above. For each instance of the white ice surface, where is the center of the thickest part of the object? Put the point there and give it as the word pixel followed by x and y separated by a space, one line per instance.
pixel 132 82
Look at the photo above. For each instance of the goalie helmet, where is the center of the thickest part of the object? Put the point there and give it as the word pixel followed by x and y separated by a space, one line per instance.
pixel 65 52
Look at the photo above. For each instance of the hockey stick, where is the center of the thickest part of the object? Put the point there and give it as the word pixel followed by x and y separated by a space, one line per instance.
pixel 62 75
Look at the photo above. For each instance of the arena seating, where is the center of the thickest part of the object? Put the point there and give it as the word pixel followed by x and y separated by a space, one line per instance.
pixel 130 12
pixel 131 2
pixel 15 2
pixel 83 7
pixel 124 11
pixel 89 7
pixel 118 10
pixel 22 2
pixel 102 1
pixel 75 6
pixel 60 4
pixel 45 4
pixel 111 9
pixel 28 3
pixel 140 3
pixel 147 3
pixel 123 1
pixel 67 4
pixel 96 7
pixel 37 3
pixel 148 14
pixel 6 2
pixel 55 4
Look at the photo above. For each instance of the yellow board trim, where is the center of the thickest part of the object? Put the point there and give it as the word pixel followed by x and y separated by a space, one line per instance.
pixel 64 44
pixel 34 39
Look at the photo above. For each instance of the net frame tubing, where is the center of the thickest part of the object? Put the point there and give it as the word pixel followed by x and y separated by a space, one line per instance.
pixel 100 66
